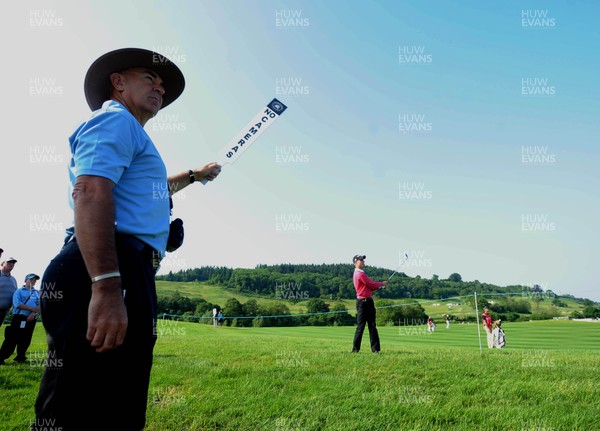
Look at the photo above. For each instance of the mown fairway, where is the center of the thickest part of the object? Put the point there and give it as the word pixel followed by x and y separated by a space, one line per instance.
pixel 305 378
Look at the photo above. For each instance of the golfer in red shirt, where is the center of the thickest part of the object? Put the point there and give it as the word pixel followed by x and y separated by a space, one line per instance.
pixel 365 307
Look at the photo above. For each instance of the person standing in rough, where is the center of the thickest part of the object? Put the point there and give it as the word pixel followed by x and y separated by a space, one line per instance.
pixel 8 286
pixel 26 306
pixel 486 321
pixel 103 329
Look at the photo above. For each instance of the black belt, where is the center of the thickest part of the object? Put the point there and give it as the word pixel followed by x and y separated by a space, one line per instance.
pixel 364 299
pixel 147 252
pixel 136 243
pixel 139 245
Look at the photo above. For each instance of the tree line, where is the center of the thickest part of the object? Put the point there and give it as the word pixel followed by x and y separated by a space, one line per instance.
pixel 323 286
pixel 251 313
pixel 333 281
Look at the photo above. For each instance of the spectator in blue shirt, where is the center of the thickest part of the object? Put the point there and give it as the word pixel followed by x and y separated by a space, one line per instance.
pixel 25 309
pixel 103 329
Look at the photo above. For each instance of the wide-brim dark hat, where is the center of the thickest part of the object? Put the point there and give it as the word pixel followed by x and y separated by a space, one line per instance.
pixel 97 83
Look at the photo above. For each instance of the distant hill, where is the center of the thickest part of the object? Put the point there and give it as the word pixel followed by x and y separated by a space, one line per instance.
pixel 296 289
pixel 334 281
pixel 199 298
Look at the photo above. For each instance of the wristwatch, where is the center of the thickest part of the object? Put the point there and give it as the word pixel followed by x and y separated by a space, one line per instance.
pixel 192 176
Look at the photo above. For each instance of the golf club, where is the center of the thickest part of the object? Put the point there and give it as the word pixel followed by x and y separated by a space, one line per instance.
pixel 401 263
pixel 397 268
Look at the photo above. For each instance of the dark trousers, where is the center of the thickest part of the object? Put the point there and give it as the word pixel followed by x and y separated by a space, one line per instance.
pixel 365 314
pixel 17 335
pixel 3 313
pixel 80 388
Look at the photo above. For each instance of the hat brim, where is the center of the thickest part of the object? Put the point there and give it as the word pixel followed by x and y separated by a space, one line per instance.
pixel 97 84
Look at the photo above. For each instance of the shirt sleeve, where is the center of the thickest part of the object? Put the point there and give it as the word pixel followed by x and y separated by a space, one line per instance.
pixel 371 285
pixel 17 299
pixel 103 146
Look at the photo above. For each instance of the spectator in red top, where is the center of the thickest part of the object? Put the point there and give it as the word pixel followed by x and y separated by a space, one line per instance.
pixel 486 320
pixel 365 307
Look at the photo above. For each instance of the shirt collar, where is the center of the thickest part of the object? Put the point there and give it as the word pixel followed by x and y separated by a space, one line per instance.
pixel 359 270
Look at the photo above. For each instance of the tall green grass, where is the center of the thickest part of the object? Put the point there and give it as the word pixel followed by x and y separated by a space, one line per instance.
pixel 305 378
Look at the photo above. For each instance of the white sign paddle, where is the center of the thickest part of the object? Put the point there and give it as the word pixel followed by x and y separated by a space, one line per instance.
pixel 250 133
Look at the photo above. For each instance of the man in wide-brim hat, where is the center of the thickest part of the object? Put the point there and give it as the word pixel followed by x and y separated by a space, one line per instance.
pixel 98 298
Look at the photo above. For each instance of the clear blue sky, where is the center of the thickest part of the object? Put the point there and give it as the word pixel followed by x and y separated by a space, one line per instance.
pixel 464 134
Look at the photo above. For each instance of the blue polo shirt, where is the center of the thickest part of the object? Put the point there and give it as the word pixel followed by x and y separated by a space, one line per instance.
pixel 24 296
pixel 112 144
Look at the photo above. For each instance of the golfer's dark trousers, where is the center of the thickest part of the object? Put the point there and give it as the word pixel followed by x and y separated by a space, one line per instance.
pixel 80 388
pixel 365 314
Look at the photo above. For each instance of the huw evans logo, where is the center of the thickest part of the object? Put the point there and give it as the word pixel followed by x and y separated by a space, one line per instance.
pixel 164 190
pixel 290 359
pixel 537 223
pixel 414 191
pixel 167 327
pixel 46 424
pixel 290 86
pixel 414 395
pixel 290 223
pixel 45 223
pixel 46 18
pixel 49 292
pixel 44 86
pixel 537 87
pixel 47 359
pixel 413 123
pixel 290 290
pixel 416 259
pixel 45 154
pixel 164 54
pixel 413 54
pixel 290 154
pixel 290 18
pixel 537 155
pixel 536 425
pixel 411 327
pixel 168 123
pixel 289 424
pixel 174 261
pixel 536 359
pixel 537 19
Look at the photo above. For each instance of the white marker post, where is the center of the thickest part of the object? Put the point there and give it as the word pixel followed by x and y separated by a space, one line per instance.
pixel 478 328
pixel 249 134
